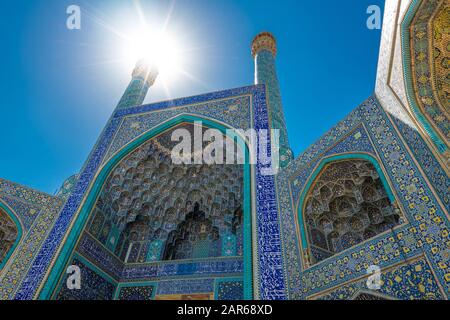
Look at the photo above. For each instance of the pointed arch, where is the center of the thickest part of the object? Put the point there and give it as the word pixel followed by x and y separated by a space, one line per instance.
pixel 420 99
pixel 9 214
pixel 106 169
pixel 305 233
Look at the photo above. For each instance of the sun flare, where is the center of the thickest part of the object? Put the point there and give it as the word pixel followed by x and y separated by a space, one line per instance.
pixel 158 48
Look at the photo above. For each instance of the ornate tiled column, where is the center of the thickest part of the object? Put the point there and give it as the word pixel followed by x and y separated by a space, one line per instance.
pixel 264 51
pixel 143 77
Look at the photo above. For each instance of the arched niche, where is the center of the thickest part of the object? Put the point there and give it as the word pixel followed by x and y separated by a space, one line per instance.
pixel 10 234
pixel 128 211
pixel 346 201
pixel 151 209
pixel 425 62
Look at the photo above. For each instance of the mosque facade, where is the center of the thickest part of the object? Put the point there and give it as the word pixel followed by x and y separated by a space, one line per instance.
pixel 362 214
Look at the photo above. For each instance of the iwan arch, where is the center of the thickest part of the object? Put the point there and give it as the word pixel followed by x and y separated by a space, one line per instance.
pixel 373 191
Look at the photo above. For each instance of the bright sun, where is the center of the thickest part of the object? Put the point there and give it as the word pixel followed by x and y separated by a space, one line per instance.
pixel 160 49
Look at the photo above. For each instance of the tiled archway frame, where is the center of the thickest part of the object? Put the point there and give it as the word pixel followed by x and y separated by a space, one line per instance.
pixel 268 266
pixel 37 213
pixel 430 127
pixel 425 235
pixel 6 209
pixel 318 169
pixel 88 249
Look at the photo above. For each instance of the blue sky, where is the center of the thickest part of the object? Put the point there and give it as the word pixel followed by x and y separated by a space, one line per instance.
pixel 59 87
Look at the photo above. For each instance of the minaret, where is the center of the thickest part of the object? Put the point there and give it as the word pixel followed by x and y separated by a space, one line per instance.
pixel 264 50
pixel 143 77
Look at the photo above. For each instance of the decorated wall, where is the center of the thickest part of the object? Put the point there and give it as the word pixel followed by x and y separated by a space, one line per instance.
pixel 34 213
pixel 418 243
pixel 372 195
pixel 245 272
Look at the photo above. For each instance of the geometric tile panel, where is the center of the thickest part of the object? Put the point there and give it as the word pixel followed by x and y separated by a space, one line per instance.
pixel 185 286
pixel 93 286
pixel 136 293
pixel 411 281
pixel 429 164
pixel 229 289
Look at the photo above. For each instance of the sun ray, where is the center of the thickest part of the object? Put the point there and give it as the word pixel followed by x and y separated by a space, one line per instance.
pixel 100 22
pixel 193 78
pixel 140 12
pixel 168 16
pixel 166 90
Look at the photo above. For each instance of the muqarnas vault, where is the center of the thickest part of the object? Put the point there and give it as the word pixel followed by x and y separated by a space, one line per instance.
pixel 373 191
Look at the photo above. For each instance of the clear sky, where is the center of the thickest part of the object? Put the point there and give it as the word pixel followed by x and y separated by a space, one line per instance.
pixel 58 86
